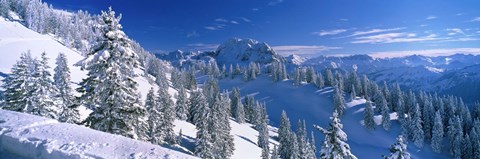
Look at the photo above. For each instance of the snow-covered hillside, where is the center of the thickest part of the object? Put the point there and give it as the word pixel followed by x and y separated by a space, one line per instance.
pixel 16 39
pixel 29 136
pixel 306 102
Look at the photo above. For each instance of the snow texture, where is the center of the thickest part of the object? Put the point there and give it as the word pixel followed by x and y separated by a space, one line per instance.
pixel 29 136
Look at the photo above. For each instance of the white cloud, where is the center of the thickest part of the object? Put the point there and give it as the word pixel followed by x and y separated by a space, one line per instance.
pixel 343 19
pixel 274 2
pixel 430 52
pixel 476 19
pixel 394 38
pixel 329 32
pixel 255 9
pixel 303 50
pixel 234 22
pixel 245 19
pixel 221 20
pixel 193 34
pixel 431 17
pixel 202 47
pixel 454 31
pixel 357 33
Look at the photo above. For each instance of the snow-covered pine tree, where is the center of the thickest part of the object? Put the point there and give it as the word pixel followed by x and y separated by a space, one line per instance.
pixel 219 128
pixel 284 135
pixel 203 146
pixel 155 136
pixel 265 153
pixel 190 80
pixel 368 114
pixel 275 154
pixel 456 137
pixel 329 78
pixel 166 106
pixel 467 149
pixel 110 89
pixel 416 128
pixel 399 150
pixel 16 85
pixel 44 101
pixel 320 82
pixel 338 101
pixel 353 94
pixel 365 86
pixel 437 133
pixel 263 129
pixel 181 106
pixel 68 108
pixel 475 141
pixel 335 144
pixel 386 116
pixel 230 72
pixel 198 103
pixel 428 115
pixel 237 107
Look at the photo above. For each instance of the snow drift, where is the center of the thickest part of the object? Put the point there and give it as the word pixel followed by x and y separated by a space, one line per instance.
pixel 29 136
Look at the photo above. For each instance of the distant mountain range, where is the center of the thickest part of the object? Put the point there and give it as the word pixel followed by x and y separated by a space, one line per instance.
pixel 457 74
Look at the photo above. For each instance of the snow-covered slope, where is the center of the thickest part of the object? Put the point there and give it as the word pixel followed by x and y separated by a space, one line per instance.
pixel 29 136
pixel 16 39
pixel 316 106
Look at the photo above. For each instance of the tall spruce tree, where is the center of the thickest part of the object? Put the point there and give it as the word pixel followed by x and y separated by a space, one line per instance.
pixel 68 108
pixel 181 106
pixel 368 114
pixel 166 106
pixel 437 133
pixel 110 89
pixel 44 102
pixel 17 85
pixel 335 144
pixel 416 127
pixel 338 101
pixel 236 106
pixel 285 139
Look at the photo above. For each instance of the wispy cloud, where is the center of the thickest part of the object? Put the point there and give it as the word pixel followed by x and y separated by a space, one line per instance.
pixel 215 27
pixel 394 38
pixel 430 52
pixel 303 50
pixel 454 31
pixel 221 20
pixel 255 9
pixel 245 19
pixel 193 34
pixel 202 47
pixel 373 31
pixel 274 2
pixel 329 32
pixel 431 17
pixel 343 19
pixel 221 23
pixel 476 19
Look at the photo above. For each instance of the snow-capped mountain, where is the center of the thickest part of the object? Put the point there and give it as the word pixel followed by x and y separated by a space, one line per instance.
pixel 238 50
pixel 232 51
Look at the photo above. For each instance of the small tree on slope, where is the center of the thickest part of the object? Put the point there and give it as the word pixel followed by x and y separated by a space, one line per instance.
pixel 399 150
pixel 335 144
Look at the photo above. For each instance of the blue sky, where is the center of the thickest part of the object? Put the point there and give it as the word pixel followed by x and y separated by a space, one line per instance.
pixel 305 27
